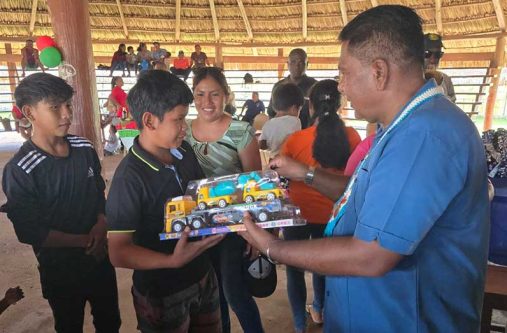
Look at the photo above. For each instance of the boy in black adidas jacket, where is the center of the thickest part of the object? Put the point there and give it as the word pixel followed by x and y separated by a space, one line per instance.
pixel 56 202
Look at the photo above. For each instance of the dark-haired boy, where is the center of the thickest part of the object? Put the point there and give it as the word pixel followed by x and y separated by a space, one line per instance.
pixel 56 203
pixel 288 100
pixel 174 287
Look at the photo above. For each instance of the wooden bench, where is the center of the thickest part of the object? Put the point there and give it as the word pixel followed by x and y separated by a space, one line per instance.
pixel 495 297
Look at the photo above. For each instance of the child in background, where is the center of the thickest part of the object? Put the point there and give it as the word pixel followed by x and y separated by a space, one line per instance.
pixel 112 142
pixel 132 60
pixel 56 202
pixel 174 286
pixel 287 102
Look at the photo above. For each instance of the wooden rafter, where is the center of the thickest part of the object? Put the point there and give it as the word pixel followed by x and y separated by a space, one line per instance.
pixel 178 20
pixel 438 16
pixel 245 19
pixel 32 16
pixel 499 14
pixel 304 11
pixel 495 69
pixel 374 3
pixel 125 31
pixel 343 10
pixel 215 21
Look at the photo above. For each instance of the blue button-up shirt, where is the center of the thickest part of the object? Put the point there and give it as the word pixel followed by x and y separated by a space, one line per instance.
pixel 422 193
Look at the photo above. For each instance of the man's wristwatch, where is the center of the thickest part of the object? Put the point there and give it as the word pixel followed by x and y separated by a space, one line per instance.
pixel 309 176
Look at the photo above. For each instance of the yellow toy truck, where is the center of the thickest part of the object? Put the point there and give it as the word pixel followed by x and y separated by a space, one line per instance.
pixel 253 191
pixel 179 212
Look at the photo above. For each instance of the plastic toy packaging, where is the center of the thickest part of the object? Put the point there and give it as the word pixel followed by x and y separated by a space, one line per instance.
pixel 216 205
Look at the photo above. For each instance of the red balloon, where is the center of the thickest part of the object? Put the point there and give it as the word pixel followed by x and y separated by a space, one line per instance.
pixel 44 41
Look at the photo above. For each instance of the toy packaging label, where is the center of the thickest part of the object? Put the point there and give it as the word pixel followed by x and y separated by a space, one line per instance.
pixel 216 205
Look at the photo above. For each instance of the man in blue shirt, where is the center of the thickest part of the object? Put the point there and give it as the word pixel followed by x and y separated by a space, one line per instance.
pixel 407 245
pixel 253 107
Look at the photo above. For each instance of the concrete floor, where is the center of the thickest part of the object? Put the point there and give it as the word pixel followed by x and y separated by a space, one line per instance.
pixel 32 314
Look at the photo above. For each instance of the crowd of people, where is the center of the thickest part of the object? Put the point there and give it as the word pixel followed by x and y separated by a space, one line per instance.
pixel 397 224
pixel 125 59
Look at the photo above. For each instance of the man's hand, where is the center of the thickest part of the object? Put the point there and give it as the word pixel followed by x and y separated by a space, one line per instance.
pixel 13 295
pixel 255 235
pixel 97 239
pixel 251 252
pixel 185 251
pixel 287 167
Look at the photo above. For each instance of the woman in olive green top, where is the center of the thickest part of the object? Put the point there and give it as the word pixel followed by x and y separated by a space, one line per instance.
pixel 225 146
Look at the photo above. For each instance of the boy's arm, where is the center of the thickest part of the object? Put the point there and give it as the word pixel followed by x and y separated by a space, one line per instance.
pixel 124 253
pixel 97 237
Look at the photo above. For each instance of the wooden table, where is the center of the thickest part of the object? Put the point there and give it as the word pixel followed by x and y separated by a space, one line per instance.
pixel 495 297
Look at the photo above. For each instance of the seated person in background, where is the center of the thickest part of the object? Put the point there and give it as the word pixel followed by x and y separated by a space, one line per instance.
pixel 158 54
pixel 181 66
pixel 112 142
pixel 23 125
pixel 144 57
pixel 132 61
pixel 287 102
pixel 198 59
pixel 432 55
pixel 253 107
pixel 30 57
pixel 119 60
pixel 174 286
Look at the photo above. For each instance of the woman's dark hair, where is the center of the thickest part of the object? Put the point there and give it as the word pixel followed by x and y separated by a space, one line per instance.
pixel 42 87
pixel 215 73
pixel 120 46
pixel 331 147
pixel 113 81
pixel 157 92
pixel 140 47
pixel 287 95
pixel 113 128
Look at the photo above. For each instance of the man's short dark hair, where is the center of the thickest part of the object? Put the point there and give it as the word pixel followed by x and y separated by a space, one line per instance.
pixel 298 51
pixel 157 92
pixel 287 95
pixel 42 87
pixel 390 32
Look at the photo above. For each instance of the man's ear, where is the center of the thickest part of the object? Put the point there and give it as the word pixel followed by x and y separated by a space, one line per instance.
pixel 149 120
pixel 380 70
pixel 27 111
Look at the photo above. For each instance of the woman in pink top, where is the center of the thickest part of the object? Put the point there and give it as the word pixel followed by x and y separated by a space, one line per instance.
pixel 358 155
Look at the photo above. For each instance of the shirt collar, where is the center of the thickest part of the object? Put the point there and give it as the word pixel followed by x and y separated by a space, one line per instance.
pixel 149 159
pixel 428 85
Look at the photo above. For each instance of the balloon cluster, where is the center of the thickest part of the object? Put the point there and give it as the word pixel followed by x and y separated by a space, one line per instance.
pixel 49 56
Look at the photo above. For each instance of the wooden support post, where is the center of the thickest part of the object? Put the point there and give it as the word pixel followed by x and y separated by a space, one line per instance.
pixel 11 69
pixel 219 59
pixel 495 69
pixel 71 25
pixel 280 66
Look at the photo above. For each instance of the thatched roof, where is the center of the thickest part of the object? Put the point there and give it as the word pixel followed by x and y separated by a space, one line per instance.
pixel 253 27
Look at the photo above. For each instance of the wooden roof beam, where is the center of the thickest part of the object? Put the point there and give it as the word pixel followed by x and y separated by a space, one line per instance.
pixel 215 21
pixel 177 31
pixel 343 10
pixel 438 16
pixel 125 31
pixel 32 16
pixel 304 11
pixel 245 19
pixel 499 14
pixel 374 3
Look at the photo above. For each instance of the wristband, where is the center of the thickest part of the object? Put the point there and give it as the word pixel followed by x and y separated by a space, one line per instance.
pixel 310 174
pixel 274 262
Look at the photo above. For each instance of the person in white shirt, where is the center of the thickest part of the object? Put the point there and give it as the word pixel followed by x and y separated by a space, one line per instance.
pixel 112 142
pixel 287 102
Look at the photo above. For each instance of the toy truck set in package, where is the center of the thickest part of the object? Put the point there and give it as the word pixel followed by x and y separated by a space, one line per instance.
pixel 216 205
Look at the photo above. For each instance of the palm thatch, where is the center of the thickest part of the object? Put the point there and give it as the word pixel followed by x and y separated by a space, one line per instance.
pixel 254 27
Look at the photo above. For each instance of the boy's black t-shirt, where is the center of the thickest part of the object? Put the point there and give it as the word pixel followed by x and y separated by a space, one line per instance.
pixel 64 194
pixel 136 201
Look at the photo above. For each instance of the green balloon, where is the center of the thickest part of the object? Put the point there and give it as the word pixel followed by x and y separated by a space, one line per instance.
pixel 50 57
